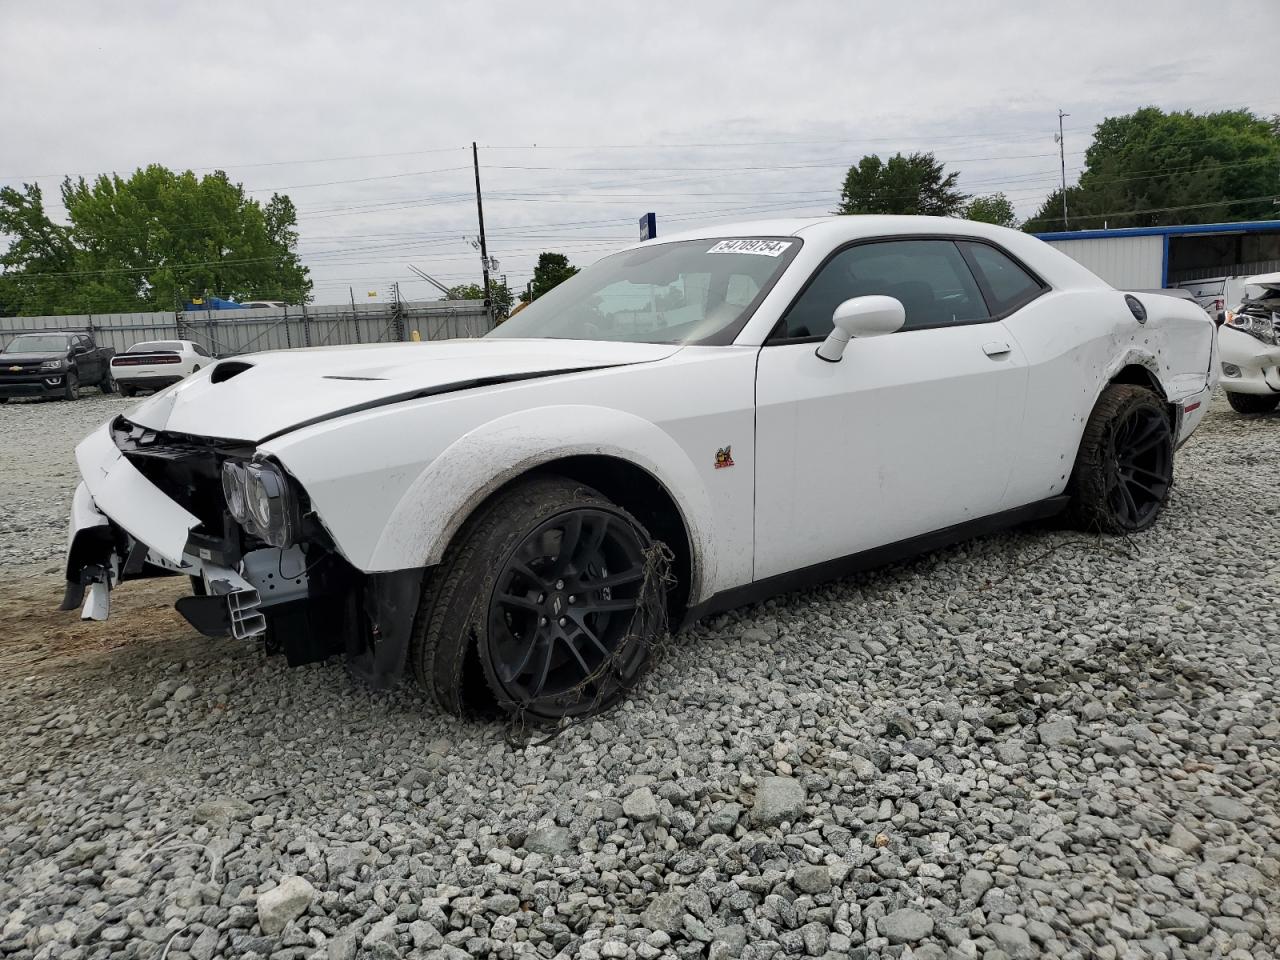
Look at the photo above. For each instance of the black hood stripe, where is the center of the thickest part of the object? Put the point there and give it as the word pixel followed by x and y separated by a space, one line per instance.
pixel 435 391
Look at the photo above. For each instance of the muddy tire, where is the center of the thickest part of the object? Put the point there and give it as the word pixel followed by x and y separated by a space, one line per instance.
pixel 1124 470
pixel 107 384
pixel 552 594
pixel 71 389
pixel 1252 402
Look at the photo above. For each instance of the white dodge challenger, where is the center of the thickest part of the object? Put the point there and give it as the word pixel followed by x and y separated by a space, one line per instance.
pixel 690 424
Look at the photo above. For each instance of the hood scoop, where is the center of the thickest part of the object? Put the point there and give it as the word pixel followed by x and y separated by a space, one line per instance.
pixel 289 390
pixel 228 369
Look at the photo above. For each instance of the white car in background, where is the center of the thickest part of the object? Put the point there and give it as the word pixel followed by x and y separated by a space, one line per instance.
pixel 157 364
pixel 694 423
pixel 1249 344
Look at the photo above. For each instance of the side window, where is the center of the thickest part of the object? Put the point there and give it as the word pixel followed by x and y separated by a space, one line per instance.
pixel 1008 284
pixel 199 349
pixel 81 343
pixel 929 277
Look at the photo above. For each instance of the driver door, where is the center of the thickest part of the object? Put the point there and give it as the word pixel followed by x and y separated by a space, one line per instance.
pixel 90 363
pixel 906 434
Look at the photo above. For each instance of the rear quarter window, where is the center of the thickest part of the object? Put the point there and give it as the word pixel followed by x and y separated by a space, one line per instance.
pixel 1008 284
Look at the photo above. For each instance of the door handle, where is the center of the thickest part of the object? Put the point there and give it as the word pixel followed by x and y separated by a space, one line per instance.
pixel 996 349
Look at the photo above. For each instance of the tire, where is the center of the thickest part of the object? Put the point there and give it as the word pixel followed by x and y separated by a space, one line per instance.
pixel 107 384
pixel 126 390
pixel 71 390
pixel 501 599
pixel 1252 402
pixel 1124 471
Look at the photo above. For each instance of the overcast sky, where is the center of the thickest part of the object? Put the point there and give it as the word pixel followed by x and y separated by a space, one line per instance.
pixel 588 114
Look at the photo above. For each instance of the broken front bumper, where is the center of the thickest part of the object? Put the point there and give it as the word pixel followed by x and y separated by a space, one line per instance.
pixel 1248 364
pixel 122 527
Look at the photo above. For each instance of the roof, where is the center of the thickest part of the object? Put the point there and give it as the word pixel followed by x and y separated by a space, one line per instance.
pixel 853 225
pixel 1244 226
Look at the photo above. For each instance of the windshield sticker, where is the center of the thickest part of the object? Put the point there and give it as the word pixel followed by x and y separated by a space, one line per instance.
pixel 762 248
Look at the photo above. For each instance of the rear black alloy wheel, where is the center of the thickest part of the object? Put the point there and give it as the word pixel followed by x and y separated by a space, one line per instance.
pixel 1143 454
pixel 560 616
pixel 1124 471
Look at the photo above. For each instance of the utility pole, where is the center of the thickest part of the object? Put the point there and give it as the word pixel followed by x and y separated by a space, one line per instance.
pixel 1062 158
pixel 484 250
pixel 355 318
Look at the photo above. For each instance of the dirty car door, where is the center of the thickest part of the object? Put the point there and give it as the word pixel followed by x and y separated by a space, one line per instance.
pixel 908 433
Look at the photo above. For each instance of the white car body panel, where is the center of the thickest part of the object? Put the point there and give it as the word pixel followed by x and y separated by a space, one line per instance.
pixel 121 492
pixel 282 389
pixel 922 417
pixel 395 444
pixel 467 444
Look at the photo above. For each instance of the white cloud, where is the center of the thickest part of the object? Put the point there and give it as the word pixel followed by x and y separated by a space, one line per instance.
pixel 97 86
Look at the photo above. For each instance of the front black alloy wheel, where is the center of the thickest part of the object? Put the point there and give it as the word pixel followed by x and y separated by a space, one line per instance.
pixel 560 616
pixel 1124 471
pixel 551 599
pixel 71 389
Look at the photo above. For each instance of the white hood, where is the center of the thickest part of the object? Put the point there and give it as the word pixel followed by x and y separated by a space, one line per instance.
pixel 1270 281
pixel 275 392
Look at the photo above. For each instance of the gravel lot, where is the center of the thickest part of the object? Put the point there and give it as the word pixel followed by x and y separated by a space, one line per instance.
pixel 1037 744
pixel 38 471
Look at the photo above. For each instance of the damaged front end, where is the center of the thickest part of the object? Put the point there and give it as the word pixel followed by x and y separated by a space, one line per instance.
pixel 155 503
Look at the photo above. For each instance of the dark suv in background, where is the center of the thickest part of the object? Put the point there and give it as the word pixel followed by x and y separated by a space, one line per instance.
pixel 53 365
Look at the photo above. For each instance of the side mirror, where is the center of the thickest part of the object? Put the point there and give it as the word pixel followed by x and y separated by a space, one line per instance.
pixel 861 317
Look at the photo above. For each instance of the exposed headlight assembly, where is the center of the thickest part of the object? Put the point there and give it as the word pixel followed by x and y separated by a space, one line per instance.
pixel 261 499
pixel 1261 328
pixel 233 490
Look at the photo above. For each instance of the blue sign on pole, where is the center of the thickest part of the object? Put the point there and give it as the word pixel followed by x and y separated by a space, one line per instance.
pixel 648 226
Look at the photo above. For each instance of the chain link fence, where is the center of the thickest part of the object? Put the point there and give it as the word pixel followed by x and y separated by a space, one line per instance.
pixel 226 333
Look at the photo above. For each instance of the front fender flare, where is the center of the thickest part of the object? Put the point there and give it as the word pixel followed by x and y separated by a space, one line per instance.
pixel 445 494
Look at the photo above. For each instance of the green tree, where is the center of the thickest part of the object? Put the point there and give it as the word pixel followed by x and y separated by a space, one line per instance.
pixel 1152 168
pixel 147 242
pixel 499 294
pixel 994 208
pixel 552 270
pixel 915 184
pixel 35 269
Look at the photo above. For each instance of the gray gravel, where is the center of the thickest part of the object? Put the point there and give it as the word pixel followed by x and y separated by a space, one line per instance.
pixel 38 471
pixel 1037 744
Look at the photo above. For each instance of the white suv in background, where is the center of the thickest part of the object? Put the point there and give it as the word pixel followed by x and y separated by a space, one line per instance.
pixel 156 364
pixel 1249 342
pixel 1215 294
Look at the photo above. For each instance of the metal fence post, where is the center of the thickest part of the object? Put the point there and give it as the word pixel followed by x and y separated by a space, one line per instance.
pixel 306 325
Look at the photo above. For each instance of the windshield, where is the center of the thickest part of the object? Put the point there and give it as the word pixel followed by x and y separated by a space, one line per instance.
pixel 691 291
pixel 156 346
pixel 37 344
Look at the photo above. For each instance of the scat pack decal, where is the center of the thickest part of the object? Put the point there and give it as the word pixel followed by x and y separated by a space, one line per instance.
pixel 724 458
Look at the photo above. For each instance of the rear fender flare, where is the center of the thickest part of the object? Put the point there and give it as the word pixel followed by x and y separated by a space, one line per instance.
pixel 469 470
